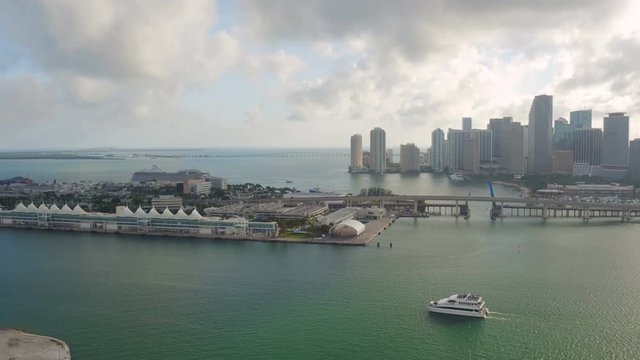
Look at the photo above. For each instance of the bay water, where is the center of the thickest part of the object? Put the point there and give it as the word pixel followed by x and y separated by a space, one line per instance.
pixel 556 290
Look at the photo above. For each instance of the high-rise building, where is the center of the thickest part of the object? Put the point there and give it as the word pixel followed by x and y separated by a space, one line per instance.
pixel 378 150
pixel 366 158
pixel 580 119
pixel 471 156
pixel 485 143
pixel 466 124
pixel 495 126
pixel 437 150
pixel 562 135
pixel 409 158
pixel 513 148
pixel 615 147
pixel 356 152
pixel 455 140
pixel 634 161
pixel 540 135
pixel 587 150
pixel 445 155
pixel 563 162
pixel 388 156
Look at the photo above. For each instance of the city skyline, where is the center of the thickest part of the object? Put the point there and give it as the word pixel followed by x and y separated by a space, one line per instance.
pixel 297 74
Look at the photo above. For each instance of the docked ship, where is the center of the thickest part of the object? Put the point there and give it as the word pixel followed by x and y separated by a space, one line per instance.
pixel 157 175
pixel 456 177
pixel 460 304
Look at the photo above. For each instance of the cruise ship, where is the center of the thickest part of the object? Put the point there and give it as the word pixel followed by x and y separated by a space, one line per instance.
pixel 460 304
pixel 157 175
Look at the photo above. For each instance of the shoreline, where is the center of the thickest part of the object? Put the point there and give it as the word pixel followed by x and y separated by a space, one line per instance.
pixel 18 344
pixel 372 231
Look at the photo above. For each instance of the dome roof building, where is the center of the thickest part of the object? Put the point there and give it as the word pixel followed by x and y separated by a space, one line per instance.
pixel 347 228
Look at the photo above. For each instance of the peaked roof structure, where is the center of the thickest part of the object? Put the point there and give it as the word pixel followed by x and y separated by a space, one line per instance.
pixel 43 208
pixel 66 209
pixel 195 214
pixel 20 207
pixel 32 208
pixel 167 214
pixel 181 214
pixel 153 213
pixel 54 209
pixel 78 210
pixel 126 211
pixel 140 213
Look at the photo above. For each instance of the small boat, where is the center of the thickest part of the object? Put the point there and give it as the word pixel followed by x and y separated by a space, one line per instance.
pixel 460 304
pixel 456 177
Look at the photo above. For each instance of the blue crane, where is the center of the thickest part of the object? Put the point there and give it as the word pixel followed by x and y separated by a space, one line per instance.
pixel 490 185
pixel 495 209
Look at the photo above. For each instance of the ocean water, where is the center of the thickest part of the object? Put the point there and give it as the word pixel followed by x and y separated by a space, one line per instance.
pixel 556 290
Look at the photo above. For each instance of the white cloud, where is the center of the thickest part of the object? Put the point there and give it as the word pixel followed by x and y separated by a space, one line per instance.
pixel 109 61
pixel 425 64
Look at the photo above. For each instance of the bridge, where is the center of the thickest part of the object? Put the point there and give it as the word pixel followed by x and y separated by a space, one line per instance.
pixel 458 206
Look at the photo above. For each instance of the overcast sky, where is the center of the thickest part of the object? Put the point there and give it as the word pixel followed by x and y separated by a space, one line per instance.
pixel 292 73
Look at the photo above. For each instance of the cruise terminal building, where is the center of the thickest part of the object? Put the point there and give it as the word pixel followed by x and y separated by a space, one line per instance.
pixel 126 221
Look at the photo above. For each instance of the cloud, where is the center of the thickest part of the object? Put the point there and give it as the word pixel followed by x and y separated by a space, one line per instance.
pixel 253 115
pixel 279 63
pixel 425 64
pixel 415 28
pixel 102 61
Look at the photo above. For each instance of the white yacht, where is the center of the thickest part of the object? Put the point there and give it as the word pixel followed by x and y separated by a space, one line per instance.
pixel 460 304
pixel 456 177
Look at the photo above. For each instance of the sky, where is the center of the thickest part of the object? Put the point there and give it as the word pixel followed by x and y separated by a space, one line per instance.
pixel 303 73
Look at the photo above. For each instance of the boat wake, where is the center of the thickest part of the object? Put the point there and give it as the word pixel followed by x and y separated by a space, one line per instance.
pixel 496 315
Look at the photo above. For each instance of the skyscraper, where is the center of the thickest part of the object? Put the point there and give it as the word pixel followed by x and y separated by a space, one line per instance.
pixel 513 148
pixel 495 126
pixel 587 150
pixel 437 150
pixel 615 147
pixel 378 149
pixel 540 135
pixel 466 124
pixel 485 143
pixel 409 158
pixel 580 119
pixel 634 161
pixel 455 140
pixel 356 152
pixel 562 134
pixel 471 155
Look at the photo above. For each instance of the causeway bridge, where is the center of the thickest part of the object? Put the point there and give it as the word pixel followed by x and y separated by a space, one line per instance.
pixel 454 205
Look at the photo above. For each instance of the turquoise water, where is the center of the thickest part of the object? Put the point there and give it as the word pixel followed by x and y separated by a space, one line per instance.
pixel 561 289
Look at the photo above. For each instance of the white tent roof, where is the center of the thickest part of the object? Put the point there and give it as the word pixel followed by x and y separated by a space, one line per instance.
pixel 78 210
pixel 154 213
pixel 166 213
pixel 140 213
pixel 181 214
pixel 195 215
pixel 20 207
pixel 66 209
pixel 32 208
pixel 124 211
pixel 43 208
pixel 54 209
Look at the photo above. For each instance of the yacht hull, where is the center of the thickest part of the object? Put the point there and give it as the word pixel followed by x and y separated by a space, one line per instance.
pixel 439 310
